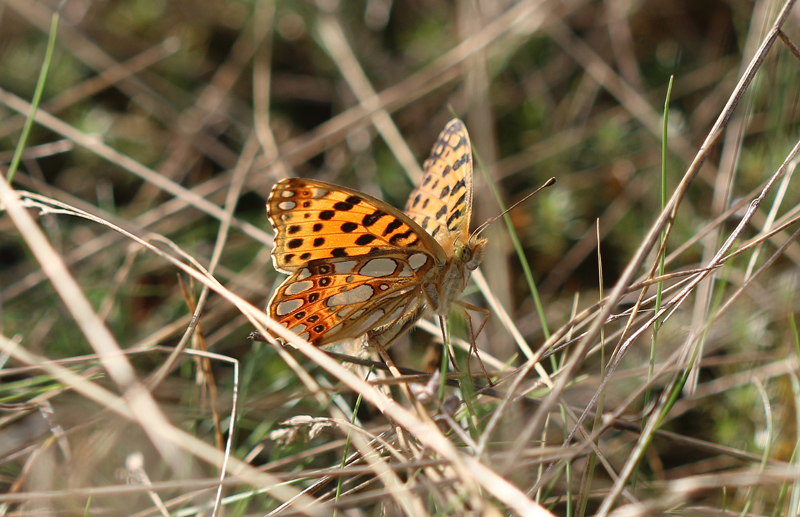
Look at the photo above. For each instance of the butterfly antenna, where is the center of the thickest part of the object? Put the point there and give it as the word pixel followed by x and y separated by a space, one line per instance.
pixel 482 227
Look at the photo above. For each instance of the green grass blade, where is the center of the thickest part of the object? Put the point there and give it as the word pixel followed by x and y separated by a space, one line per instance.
pixel 37 97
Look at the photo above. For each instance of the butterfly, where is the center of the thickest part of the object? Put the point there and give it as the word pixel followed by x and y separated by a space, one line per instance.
pixel 359 266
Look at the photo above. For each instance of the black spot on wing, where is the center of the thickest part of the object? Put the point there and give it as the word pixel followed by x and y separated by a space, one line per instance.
pixel 400 236
pixel 445 191
pixel 293 229
pixel 442 211
pixel 353 200
pixel 313 297
pixel 365 239
pixel 300 315
pixel 305 256
pixel 294 243
pixel 319 241
pixel 453 219
pixel 461 161
pixel 349 227
pixel 327 215
pixel 397 223
pixel 317 227
pixel 342 206
pixel 339 252
pixel 372 218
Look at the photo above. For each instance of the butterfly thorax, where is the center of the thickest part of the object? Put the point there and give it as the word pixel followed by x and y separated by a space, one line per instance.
pixel 465 258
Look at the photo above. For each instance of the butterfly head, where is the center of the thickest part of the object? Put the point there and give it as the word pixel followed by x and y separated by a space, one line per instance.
pixel 467 256
pixel 471 253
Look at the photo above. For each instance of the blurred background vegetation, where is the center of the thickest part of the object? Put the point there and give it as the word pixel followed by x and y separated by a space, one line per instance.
pixel 355 93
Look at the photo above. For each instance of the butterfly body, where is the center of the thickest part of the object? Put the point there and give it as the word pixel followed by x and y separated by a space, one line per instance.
pixel 455 276
pixel 360 266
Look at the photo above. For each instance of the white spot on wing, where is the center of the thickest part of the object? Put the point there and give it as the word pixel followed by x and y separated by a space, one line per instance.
pixel 397 313
pixel 299 287
pixel 287 193
pixel 303 274
pixel 360 294
pixel 370 322
pixel 343 268
pixel 287 307
pixel 378 267
pixel 406 271
pixel 355 314
pixel 287 205
pixel 417 260
pixel 300 330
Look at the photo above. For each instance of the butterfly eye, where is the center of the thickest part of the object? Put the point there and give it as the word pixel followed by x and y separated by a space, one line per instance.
pixel 475 251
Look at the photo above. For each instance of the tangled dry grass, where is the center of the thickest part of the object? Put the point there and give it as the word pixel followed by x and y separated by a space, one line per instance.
pixel 642 341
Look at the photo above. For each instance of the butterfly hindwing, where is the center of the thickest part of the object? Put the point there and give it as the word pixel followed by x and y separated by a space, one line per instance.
pixel 330 300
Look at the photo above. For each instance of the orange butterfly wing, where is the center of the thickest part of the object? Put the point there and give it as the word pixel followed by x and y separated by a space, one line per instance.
pixel 442 203
pixel 356 263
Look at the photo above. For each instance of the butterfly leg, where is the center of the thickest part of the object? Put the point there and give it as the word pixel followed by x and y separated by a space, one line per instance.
pixel 474 335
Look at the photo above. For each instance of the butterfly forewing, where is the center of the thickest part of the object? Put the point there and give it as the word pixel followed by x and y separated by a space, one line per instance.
pixel 442 202
pixel 315 220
